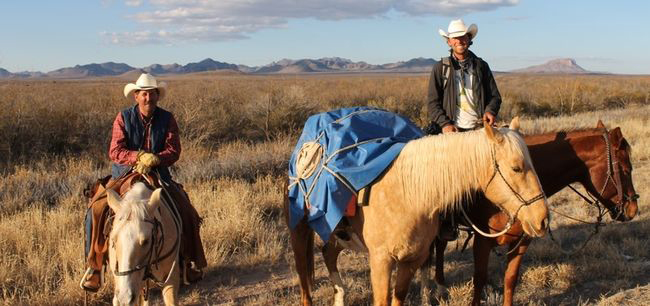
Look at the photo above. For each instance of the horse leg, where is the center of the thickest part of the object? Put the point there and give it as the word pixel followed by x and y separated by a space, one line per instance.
pixel 438 248
pixel 425 279
pixel 441 245
pixel 381 266
pixel 141 298
pixel 331 252
pixel 405 272
pixel 170 288
pixel 302 243
pixel 482 247
pixel 512 271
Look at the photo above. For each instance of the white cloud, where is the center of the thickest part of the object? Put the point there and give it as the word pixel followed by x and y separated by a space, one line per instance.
pixel 171 21
pixel 133 2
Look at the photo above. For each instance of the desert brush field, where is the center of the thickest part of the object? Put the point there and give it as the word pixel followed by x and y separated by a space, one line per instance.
pixel 237 133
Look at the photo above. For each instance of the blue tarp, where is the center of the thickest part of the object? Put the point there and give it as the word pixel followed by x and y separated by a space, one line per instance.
pixel 359 166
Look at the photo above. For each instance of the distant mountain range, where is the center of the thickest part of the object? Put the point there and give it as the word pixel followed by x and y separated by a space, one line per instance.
pixel 285 66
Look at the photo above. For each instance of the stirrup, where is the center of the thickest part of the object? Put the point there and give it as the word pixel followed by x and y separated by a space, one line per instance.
pixel 90 271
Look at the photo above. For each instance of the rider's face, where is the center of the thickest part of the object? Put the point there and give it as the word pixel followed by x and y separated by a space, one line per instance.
pixel 460 44
pixel 147 101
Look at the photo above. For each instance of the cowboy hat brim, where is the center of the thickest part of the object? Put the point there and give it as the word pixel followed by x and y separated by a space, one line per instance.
pixel 472 30
pixel 130 88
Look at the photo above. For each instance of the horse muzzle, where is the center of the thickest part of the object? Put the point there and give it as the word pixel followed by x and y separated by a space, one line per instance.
pixel 124 297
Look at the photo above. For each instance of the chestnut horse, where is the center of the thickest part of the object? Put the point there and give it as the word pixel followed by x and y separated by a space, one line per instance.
pixel 597 159
pixel 431 175
pixel 143 245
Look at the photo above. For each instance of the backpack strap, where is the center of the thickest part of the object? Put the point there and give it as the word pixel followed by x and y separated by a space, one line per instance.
pixel 446 70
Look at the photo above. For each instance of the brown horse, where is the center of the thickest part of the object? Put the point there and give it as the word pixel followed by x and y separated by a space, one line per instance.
pixel 430 176
pixel 595 158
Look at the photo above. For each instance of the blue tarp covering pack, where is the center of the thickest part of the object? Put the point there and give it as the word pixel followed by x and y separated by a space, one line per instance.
pixel 339 153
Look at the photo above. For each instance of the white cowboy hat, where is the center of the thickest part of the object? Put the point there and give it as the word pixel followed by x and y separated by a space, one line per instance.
pixel 457 28
pixel 145 82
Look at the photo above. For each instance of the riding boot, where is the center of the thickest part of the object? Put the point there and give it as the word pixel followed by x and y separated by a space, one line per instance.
pixel 92 281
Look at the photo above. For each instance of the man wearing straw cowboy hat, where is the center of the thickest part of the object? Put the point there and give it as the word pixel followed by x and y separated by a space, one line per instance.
pixel 145 138
pixel 462 92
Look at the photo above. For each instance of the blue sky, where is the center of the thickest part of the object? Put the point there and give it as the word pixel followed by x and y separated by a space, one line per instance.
pixel 40 35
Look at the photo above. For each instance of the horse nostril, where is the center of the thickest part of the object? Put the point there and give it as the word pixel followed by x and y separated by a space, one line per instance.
pixel 131 298
pixel 544 224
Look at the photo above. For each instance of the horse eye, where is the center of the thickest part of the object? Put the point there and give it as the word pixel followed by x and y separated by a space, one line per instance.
pixel 144 242
pixel 516 169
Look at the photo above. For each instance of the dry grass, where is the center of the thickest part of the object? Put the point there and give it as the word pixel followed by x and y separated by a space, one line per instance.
pixel 238 132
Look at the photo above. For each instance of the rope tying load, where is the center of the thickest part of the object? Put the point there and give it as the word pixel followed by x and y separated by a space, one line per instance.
pixel 339 153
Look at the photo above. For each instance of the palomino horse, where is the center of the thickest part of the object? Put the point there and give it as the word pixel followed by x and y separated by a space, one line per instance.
pixel 143 245
pixel 431 175
pixel 595 158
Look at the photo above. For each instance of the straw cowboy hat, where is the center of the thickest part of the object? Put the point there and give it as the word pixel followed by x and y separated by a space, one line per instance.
pixel 145 82
pixel 457 28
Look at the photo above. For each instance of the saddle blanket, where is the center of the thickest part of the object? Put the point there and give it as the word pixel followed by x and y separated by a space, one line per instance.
pixel 339 153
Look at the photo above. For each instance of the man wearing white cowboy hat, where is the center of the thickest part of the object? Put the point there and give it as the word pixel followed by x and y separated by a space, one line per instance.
pixel 145 137
pixel 462 94
pixel 462 91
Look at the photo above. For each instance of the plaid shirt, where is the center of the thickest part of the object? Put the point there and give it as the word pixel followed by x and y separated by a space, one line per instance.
pixel 120 154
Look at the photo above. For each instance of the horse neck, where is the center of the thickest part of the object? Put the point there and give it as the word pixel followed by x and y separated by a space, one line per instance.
pixel 562 158
pixel 438 172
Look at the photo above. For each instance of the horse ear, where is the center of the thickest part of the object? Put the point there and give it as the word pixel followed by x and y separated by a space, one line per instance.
pixel 600 125
pixel 114 199
pixel 493 134
pixel 617 137
pixel 155 200
pixel 514 123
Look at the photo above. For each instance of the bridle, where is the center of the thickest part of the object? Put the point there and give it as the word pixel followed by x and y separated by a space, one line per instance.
pixel 613 168
pixel 613 176
pixel 511 218
pixel 153 254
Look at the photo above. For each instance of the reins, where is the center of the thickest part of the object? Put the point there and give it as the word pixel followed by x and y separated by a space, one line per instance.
pixel 511 218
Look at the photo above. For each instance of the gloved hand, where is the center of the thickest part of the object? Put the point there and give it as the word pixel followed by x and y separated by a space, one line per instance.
pixel 145 162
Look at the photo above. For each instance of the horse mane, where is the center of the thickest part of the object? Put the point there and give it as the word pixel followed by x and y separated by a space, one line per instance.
pixel 575 133
pixel 441 171
pixel 562 134
pixel 133 205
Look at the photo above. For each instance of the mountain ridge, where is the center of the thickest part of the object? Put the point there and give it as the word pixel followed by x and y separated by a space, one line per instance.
pixel 283 66
pixel 555 66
